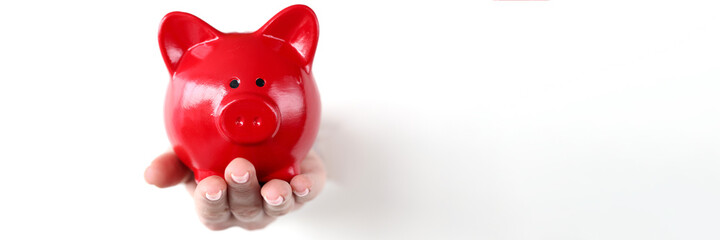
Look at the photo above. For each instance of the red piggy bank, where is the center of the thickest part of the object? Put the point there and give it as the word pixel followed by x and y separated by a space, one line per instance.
pixel 249 95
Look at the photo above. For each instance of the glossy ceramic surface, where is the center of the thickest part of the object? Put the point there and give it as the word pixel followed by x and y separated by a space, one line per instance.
pixel 249 95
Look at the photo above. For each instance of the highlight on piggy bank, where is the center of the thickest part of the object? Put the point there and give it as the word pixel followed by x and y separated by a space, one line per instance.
pixel 249 95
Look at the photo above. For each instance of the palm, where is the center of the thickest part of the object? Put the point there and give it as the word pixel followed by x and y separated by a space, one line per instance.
pixel 238 199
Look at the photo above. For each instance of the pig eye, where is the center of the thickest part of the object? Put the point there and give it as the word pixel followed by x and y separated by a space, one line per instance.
pixel 260 82
pixel 234 83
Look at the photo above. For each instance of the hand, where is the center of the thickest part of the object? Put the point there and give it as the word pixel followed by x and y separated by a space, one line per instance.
pixel 238 199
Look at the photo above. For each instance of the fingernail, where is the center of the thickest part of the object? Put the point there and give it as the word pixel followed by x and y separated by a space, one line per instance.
pixel 275 202
pixel 303 193
pixel 240 179
pixel 213 197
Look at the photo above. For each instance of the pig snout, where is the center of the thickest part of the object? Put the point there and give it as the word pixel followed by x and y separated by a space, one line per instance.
pixel 249 120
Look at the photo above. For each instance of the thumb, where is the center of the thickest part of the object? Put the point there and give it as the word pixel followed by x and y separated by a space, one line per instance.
pixel 166 170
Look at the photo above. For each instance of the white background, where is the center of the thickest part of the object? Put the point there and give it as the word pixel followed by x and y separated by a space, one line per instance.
pixel 466 120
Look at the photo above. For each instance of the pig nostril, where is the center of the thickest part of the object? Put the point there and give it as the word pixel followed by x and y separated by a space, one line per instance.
pixel 257 121
pixel 239 122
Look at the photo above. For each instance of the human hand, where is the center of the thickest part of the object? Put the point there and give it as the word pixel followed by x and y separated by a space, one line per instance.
pixel 238 199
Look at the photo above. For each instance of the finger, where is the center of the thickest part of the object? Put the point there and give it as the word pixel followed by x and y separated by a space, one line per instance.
pixel 278 199
pixel 211 202
pixel 243 190
pixel 307 186
pixel 166 170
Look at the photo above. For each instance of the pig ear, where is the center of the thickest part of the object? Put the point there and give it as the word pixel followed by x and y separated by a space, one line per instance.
pixel 179 32
pixel 298 26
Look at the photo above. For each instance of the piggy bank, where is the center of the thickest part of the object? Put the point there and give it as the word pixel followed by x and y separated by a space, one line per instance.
pixel 249 95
